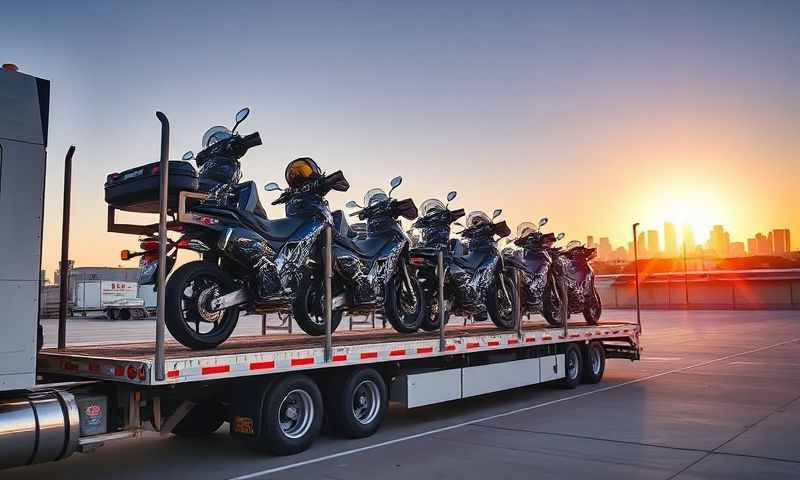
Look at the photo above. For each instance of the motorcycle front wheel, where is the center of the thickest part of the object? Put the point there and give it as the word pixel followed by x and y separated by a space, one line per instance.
pixel 501 307
pixel 405 302
pixel 189 317
pixel 593 308
pixel 308 307
pixel 551 305
pixel 430 287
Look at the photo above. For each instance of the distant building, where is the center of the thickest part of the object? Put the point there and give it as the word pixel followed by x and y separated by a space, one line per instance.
pixel 604 249
pixel 736 249
pixel 752 248
pixel 719 241
pixel 763 244
pixel 670 240
pixel 781 242
pixel 653 245
pixel 641 245
pixel 590 241
pixel 688 239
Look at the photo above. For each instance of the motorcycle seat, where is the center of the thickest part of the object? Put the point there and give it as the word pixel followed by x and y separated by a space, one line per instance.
pixel 471 261
pixel 248 199
pixel 278 230
pixel 367 248
pixel 341 225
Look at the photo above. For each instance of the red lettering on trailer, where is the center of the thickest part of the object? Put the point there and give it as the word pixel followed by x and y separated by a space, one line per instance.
pixel 173 374
pixel 425 350
pixel 262 365
pixel 339 357
pixel 215 369
pixel 473 344
pixel 369 355
pixel 302 361
pixel 397 353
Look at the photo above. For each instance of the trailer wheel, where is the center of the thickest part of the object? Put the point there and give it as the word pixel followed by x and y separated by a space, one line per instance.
pixel 291 416
pixel 111 314
pixel 358 401
pixel 124 314
pixel 594 361
pixel 203 419
pixel 573 366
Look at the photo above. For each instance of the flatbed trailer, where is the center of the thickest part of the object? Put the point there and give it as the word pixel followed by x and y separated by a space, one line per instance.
pixel 275 390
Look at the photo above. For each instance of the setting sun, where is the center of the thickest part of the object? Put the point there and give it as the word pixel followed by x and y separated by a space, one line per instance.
pixel 686 204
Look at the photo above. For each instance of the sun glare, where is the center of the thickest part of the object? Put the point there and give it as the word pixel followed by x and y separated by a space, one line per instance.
pixel 698 208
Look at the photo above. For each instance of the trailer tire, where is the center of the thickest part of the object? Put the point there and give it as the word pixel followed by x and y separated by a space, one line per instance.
pixel 573 366
pixel 358 401
pixel 124 314
pixel 291 415
pixel 594 362
pixel 111 314
pixel 203 419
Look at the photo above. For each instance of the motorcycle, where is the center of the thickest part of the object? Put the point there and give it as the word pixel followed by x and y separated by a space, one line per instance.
pixel 371 269
pixel 476 280
pixel 431 232
pixel 544 269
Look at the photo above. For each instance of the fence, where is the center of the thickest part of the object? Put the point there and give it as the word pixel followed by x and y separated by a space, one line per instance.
pixel 727 290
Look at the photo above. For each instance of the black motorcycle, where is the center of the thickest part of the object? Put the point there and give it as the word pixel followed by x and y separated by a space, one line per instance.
pixel 432 235
pixel 476 280
pixel 545 269
pixel 372 270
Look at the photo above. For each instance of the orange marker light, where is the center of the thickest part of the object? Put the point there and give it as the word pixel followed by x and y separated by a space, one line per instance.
pixel 125 255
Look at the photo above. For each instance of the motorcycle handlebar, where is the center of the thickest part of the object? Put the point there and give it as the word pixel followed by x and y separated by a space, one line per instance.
pixel 250 141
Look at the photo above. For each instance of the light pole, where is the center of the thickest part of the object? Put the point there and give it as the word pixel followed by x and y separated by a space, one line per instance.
pixel 685 278
pixel 636 275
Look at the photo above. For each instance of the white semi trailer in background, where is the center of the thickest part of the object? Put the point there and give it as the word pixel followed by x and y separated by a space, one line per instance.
pixel 116 300
pixel 274 390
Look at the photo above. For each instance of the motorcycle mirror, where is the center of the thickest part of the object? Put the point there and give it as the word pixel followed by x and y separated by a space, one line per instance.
pixel 451 196
pixel 396 181
pixel 240 116
pixel 352 204
pixel 188 156
pixel 542 221
pixel 271 187
pixel 560 236
pixel 497 213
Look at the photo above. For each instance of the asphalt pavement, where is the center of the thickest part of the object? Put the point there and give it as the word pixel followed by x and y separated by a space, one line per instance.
pixel 716 395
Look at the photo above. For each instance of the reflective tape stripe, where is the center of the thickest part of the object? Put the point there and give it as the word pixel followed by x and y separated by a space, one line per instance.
pixel 215 369
pixel 302 361
pixel 262 365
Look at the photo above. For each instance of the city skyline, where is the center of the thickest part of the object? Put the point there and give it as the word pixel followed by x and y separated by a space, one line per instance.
pixel 719 244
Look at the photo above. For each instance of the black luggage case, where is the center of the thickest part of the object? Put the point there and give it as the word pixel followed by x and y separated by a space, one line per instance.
pixel 137 189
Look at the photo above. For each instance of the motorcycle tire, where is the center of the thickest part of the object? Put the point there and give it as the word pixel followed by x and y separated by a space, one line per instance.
pixel 183 310
pixel 401 320
pixel 551 310
pixel 593 308
pixel 308 309
pixel 430 319
pixel 503 318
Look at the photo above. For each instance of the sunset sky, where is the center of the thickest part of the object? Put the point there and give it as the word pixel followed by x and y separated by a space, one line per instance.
pixel 595 114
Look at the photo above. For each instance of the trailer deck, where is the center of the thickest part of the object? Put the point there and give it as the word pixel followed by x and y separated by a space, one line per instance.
pixel 257 355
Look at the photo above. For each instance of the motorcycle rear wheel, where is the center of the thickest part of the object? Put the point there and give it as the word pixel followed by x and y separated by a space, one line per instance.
pixel 188 294
pixel 430 319
pixel 308 308
pixel 398 309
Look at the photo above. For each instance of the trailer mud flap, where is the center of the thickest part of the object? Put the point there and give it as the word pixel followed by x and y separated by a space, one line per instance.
pixel 247 402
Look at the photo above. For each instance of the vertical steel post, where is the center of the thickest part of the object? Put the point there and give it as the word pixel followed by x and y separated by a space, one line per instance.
pixel 518 305
pixel 636 276
pixel 440 277
pixel 565 307
pixel 63 276
pixel 163 198
pixel 685 279
pixel 263 324
pixel 328 261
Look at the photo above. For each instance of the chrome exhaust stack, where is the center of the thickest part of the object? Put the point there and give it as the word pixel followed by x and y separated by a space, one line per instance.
pixel 43 426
